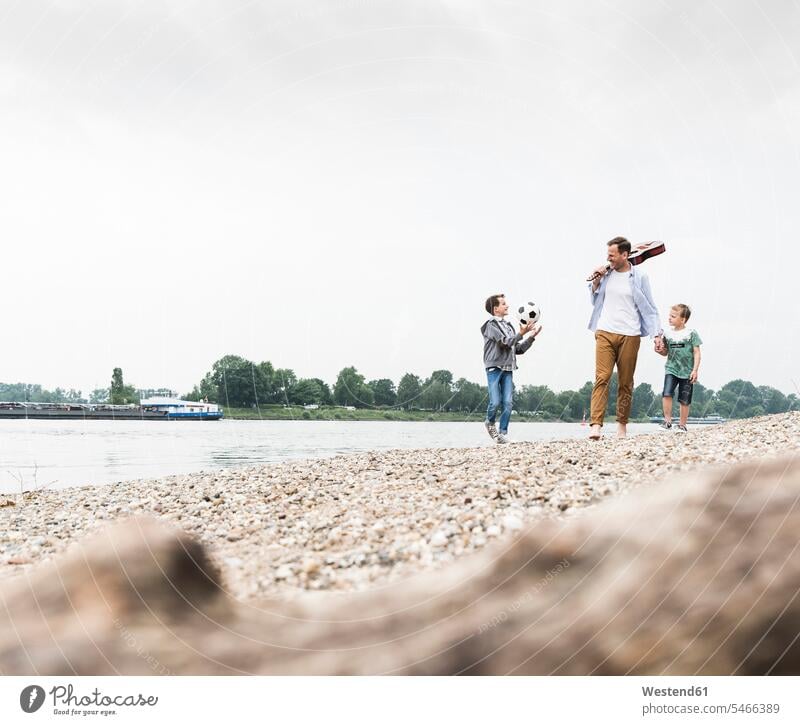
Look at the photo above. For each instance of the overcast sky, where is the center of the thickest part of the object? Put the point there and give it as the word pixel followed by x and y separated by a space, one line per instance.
pixel 323 184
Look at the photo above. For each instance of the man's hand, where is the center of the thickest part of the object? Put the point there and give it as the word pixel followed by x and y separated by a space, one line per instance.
pixel 693 377
pixel 598 273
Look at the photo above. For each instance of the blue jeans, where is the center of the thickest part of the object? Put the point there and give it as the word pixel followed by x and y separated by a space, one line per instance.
pixel 501 393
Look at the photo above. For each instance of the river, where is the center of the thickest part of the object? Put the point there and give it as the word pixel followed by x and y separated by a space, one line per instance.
pixel 57 454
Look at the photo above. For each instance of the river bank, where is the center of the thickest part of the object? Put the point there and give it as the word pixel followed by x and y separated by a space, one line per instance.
pixel 338 412
pixel 356 521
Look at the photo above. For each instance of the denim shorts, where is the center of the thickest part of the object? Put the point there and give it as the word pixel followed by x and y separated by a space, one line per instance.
pixel 684 388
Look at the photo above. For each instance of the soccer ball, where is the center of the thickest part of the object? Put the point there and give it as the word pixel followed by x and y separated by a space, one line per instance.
pixel 529 313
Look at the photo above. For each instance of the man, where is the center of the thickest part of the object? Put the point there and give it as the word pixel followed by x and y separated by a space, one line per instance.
pixel 623 312
pixel 501 345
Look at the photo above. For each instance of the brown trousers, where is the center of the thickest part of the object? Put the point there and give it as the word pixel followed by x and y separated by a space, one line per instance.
pixel 620 350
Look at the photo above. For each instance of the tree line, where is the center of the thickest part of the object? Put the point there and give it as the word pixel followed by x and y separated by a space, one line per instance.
pixel 237 382
pixel 118 393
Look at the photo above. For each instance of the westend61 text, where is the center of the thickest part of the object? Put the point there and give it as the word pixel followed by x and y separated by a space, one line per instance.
pixel 64 696
pixel 692 691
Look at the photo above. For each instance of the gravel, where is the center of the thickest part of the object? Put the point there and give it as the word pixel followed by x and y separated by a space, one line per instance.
pixel 357 521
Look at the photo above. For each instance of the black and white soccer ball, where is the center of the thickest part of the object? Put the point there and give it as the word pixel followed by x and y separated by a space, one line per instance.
pixel 529 312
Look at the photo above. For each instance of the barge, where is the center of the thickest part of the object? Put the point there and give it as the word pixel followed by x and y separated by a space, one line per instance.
pixel 148 409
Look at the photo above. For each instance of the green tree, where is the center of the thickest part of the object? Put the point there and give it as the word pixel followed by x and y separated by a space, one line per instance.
pixel 468 396
pixel 585 393
pixel 22 392
pixel 326 397
pixel 644 401
pixel 99 395
pixel 553 406
pixel 533 398
pixel 572 402
pixel 739 399
pixel 350 389
pixel 774 401
pixel 435 396
pixel 445 377
pixel 121 394
pixel 284 381
pixel 74 396
pixel 306 392
pixel 437 391
pixel 408 391
pixel 384 391
pixel 232 376
pixel 703 400
pixel 264 383
pixel 613 387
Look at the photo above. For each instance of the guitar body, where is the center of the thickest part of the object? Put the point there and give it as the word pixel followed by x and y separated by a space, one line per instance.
pixel 644 251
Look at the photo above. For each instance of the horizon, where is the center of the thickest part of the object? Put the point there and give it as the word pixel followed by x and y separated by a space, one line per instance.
pixel 423 377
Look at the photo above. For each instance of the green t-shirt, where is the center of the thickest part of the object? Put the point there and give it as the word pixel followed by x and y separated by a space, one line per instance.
pixel 681 344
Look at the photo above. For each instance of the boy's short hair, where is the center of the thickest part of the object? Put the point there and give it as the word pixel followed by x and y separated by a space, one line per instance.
pixel 493 301
pixel 683 310
pixel 623 245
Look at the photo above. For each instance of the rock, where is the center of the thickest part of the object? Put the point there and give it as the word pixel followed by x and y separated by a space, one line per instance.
pixel 439 539
pixel 311 565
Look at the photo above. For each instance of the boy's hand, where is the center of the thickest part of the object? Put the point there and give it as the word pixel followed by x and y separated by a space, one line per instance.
pixel 525 329
pixel 537 330
pixel 693 377
pixel 658 344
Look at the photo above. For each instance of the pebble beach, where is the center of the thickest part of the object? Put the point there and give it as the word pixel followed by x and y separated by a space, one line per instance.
pixel 358 521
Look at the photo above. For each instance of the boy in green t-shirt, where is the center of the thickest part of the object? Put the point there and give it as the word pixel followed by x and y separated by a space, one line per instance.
pixel 681 347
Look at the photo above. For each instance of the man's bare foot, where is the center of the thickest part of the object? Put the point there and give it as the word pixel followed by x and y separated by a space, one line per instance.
pixel 594 432
pixel 622 430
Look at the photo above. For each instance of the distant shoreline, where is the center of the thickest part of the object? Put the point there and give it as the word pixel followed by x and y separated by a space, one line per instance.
pixel 331 413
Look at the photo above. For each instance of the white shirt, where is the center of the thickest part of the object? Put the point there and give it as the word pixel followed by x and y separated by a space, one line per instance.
pixel 619 311
pixel 679 335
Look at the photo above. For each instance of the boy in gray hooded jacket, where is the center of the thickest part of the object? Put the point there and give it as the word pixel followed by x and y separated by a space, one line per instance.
pixel 501 345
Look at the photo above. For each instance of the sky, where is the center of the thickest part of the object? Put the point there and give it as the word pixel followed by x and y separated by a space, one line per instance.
pixel 325 184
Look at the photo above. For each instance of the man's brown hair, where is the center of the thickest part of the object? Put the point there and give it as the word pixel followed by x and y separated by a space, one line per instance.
pixel 623 245
pixel 683 310
pixel 493 301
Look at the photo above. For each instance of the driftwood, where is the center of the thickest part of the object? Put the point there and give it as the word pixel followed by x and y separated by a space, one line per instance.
pixel 693 575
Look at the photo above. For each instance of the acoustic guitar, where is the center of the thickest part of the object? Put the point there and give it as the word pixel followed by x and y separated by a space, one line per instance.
pixel 638 254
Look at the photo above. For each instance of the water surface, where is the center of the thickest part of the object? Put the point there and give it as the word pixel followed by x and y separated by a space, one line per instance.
pixel 57 454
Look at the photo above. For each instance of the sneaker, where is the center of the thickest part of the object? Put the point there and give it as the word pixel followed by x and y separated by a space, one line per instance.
pixel 491 429
pixel 666 425
pixel 681 428
pixel 503 438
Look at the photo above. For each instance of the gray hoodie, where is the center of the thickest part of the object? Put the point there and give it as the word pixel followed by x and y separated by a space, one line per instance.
pixel 501 344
